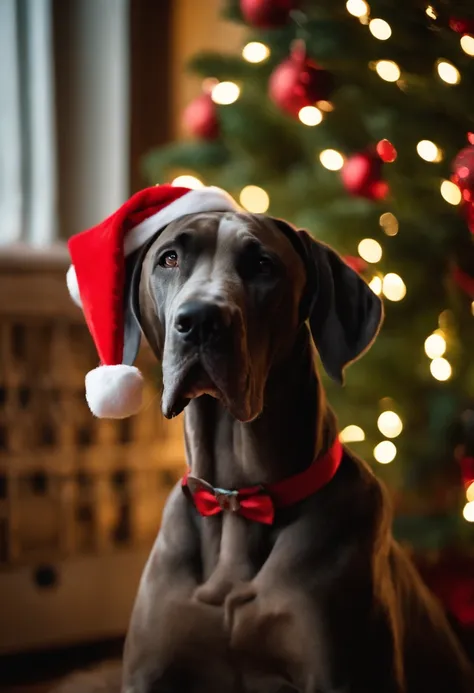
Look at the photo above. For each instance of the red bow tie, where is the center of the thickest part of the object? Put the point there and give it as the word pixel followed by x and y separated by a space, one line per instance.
pixel 258 503
pixel 251 503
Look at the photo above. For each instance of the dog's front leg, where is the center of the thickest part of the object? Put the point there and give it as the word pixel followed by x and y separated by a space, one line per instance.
pixel 170 633
pixel 312 610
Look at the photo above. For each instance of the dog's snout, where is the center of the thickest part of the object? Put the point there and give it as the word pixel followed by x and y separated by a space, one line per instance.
pixel 201 321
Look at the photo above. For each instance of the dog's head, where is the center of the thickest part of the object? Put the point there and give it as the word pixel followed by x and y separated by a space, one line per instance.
pixel 221 296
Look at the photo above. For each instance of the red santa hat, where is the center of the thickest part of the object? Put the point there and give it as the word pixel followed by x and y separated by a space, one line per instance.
pixel 96 282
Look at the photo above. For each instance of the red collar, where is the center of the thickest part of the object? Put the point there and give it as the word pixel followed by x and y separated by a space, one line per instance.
pixel 258 503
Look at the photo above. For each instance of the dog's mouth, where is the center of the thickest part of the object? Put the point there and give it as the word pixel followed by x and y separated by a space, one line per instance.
pixel 194 381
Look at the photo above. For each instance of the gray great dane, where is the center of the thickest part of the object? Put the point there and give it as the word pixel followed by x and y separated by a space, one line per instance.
pixel 320 599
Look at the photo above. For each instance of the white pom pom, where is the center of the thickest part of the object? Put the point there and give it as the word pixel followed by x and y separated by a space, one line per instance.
pixel 73 286
pixel 114 392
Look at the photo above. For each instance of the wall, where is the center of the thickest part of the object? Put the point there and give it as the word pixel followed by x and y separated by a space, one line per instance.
pixel 193 31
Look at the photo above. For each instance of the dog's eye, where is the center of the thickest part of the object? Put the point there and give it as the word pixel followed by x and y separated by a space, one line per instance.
pixel 169 259
pixel 253 264
pixel 265 265
pixel 259 266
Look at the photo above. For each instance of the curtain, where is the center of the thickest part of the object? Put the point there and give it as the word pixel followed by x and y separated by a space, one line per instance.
pixel 64 116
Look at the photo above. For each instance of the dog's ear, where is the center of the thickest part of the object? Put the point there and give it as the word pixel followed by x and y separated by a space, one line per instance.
pixel 132 324
pixel 344 313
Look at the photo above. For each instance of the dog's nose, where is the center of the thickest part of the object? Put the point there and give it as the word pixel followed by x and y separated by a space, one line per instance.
pixel 201 321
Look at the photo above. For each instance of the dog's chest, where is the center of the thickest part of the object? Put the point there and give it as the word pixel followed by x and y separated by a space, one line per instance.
pixel 233 551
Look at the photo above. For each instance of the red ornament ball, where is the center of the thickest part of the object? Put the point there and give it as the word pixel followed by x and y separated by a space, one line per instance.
pixel 467 470
pixel 298 82
pixel 362 176
pixel 356 263
pixel 200 118
pixel 463 280
pixel 386 151
pixel 470 217
pixel 463 169
pixel 267 14
pixel 461 25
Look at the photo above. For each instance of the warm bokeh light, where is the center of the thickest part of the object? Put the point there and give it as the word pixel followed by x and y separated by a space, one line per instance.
pixel 470 492
pixel 376 285
pixel 472 308
pixel 448 72
pixel 387 70
pixel 435 346
pixel 468 511
pixel 254 199
pixel 357 8
pixel 450 192
pixel 187 182
pixel 331 159
pixel 393 287
pixel 325 106
pixel 255 52
pixel 467 44
pixel 431 12
pixel 225 93
pixel 389 424
pixel 385 452
pixel 445 320
pixel 352 434
pixel 310 115
pixel 380 29
pixel 428 151
pixel 440 369
pixel 389 223
pixel 370 250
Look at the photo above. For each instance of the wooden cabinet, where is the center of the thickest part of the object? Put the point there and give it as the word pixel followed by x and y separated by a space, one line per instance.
pixel 80 498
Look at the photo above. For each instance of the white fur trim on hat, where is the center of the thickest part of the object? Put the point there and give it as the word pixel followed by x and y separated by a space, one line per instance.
pixel 73 286
pixel 210 199
pixel 114 392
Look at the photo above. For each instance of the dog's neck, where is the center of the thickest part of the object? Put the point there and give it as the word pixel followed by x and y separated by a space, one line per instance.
pixel 293 429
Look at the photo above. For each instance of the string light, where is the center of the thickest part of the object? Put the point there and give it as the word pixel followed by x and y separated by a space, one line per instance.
pixel 472 308
pixel 389 223
pixel 325 106
pixel 389 424
pixel 187 182
pixel 431 12
pixel 448 72
pixel 331 159
pixel 385 452
pixel 435 345
pixel 370 250
pixel 357 8
pixel 255 52
pixel 428 151
pixel 254 199
pixel 446 320
pixel 440 369
pixel 450 192
pixel 470 492
pixel 467 44
pixel 380 29
pixel 387 70
pixel 393 287
pixel 310 115
pixel 468 511
pixel 352 434
pixel 225 93
pixel 376 285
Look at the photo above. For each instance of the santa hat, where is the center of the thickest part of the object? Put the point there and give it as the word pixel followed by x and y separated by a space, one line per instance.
pixel 96 282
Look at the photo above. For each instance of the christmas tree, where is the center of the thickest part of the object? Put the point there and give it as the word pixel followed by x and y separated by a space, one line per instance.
pixel 353 121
